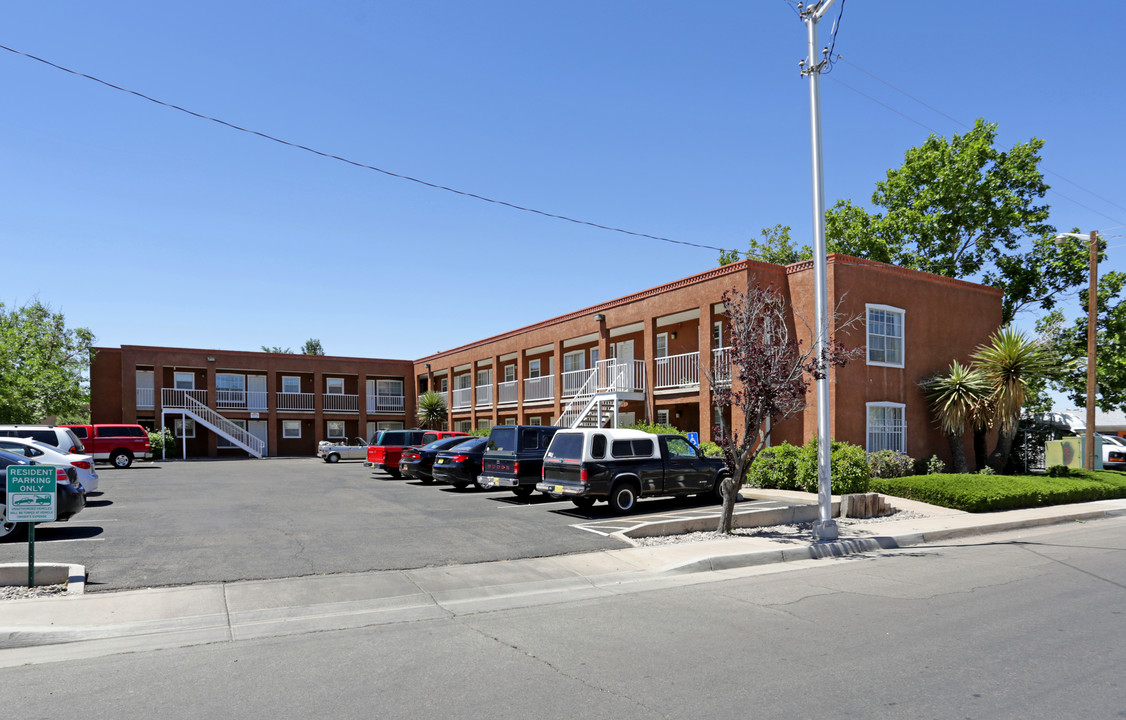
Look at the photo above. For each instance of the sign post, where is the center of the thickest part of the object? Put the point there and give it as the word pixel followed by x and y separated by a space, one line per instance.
pixel 31 498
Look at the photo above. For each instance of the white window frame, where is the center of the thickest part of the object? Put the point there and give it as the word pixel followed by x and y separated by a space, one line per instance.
pixel 534 368
pixel 574 360
pixel 510 421
pixel 463 425
pixel 663 417
pixel 334 425
pixel 535 420
pixel 594 357
pixel 334 386
pixel 484 424
pixel 288 426
pixel 178 426
pixel 882 428
pixel 389 425
pixel 389 386
pixel 510 373
pixel 868 309
pixel 662 349
pixel 717 335
pixel 188 376
pixel 286 378
pixel 223 443
pixel 484 376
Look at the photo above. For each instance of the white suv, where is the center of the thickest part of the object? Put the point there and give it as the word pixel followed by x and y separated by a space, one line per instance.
pixel 60 437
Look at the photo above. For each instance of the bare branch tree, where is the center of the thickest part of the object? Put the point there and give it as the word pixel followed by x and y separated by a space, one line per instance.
pixel 767 379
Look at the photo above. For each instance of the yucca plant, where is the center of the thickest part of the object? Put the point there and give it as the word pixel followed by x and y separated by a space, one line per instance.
pixel 431 410
pixel 958 398
pixel 1009 361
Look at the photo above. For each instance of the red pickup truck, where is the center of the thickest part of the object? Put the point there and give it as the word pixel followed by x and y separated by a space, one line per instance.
pixel 117 444
pixel 386 450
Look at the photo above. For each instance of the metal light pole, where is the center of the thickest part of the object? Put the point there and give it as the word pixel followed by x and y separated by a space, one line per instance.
pixel 825 528
pixel 1092 313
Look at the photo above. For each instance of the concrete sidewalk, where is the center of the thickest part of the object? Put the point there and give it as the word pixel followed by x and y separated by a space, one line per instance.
pixel 70 627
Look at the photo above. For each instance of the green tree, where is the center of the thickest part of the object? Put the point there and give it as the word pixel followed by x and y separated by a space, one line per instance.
pixel 1009 361
pixel 961 207
pixel 44 366
pixel 775 247
pixel 957 398
pixel 431 410
pixel 1070 344
pixel 312 347
pixel 277 349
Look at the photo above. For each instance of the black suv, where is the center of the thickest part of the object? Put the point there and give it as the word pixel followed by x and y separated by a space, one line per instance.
pixel 514 457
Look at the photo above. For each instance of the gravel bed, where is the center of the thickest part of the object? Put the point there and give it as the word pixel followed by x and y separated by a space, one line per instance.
pixel 21 592
pixel 800 531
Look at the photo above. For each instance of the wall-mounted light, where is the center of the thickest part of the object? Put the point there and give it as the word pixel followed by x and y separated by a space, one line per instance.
pixel 599 317
pixel 673 335
pixel 678 413
pixel 210 358
pixel 427 366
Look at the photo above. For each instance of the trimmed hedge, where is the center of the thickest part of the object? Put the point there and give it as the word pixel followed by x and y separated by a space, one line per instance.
pixel 991 493
pixel 775 467
pixel 788 467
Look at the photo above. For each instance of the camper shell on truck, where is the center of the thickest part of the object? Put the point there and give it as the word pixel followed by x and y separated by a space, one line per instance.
pixel 620 466
pixel 514 457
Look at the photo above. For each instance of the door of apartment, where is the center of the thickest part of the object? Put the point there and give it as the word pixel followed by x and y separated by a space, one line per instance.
pixel 623 355
pixel 145 393
pixel 260 429
pixel 256 392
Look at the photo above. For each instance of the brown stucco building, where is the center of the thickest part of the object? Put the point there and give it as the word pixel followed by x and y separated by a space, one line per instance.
pixel 651 350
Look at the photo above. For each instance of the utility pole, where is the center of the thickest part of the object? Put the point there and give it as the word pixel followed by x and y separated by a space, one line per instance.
pixel 825 528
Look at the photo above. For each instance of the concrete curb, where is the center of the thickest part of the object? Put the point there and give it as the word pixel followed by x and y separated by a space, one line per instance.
pixel 73 576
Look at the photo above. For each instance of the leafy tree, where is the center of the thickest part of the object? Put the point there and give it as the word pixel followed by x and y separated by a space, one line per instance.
pixel 312 347
pixel 770 372
pixel 775 247
pixel 277 349
pixel 431 410
pixel 958 397
pixel 44 366
pixel 961 207
pixel 1070 345
pixel 1009 361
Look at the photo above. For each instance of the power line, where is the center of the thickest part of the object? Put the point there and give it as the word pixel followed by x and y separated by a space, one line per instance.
pixel 435 186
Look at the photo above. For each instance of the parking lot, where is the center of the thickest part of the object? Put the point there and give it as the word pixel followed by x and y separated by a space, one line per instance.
pixel 175 523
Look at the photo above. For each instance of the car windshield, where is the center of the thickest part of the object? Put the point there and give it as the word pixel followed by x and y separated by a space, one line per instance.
pixel 1114 440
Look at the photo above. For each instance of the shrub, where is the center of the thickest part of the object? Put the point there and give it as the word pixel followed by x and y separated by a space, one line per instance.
pixel 775 467
pixel 974 493
pixel 890 464
pixel 987 471
pixel 710 449
pixel 163 440
pixel 655 428
pixel 935 466
pixel 1059 471
pixel 849 472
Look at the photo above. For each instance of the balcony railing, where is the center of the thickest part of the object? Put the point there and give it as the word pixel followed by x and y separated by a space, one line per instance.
pixel 145 397
pixel 291 401
pixel 240 399
pixel 336 402
pixel 385 403
pixel 573 381
pixel 484 395
pixel 540 388
pixel 621 376
pixel 678 371
pixel 721 365
pixel 173 398
pixel 462 398
pixel 508 392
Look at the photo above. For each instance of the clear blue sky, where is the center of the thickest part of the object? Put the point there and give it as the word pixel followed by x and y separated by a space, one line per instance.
pixel 677 119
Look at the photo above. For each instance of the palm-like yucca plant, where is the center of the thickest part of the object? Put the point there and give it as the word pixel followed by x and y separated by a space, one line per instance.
pixel 431 410
pixel 1009 360
pixel 957 398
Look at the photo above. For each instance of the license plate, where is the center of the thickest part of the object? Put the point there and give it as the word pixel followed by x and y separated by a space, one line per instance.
pixel 440 461
pixel 559 489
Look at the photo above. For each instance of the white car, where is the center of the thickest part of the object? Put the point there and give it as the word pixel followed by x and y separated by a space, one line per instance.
pixel 1114 452
pixel 50 455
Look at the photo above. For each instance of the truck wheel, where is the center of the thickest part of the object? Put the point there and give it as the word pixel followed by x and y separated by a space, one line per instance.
pixel 461 485
pixel 583 503
pixel 121 459
pixel 716 495
pixel 333 457
pixel 523 491
pixel 481 484
pixel 623 497
pixel 10 530
pixel 394 473
pixel 425 480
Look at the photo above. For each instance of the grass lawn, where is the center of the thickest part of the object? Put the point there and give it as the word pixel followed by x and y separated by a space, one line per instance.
pixel 988 493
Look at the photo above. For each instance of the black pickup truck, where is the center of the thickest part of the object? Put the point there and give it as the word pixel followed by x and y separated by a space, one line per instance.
pixel 620 466
pixel 514 457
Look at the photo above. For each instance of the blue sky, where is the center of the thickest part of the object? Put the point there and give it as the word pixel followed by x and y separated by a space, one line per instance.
pixel 682 120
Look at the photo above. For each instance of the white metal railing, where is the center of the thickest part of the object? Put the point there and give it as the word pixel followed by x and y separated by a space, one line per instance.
pixel 145 398
pixel 540 388
pixel 721 365
pixel 336 402
pixel 677 371
pixel 385 403
pixel 484 395
pixel 230 398
pixel 573 409
pixel 618 376
pixel 508 392
pixel 574 380
pixel 462 397
pixel 223 426
pixel 173 398
pixel 256 399
pixel 295 401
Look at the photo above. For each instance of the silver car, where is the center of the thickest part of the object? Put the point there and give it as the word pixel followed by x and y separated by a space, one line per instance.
pixel 354 449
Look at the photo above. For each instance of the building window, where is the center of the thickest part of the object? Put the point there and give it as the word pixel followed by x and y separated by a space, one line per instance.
pixel 662 345
pixel 178 426
pixel 334 386
pixel 887 429
pixel 291 384
pixel 484 377
pixel 389 425
pixel 662 417
pixel 510 373
pixel 184 381
pixel 534 368
pixel 484 424
pixel 717 335
pixel 573 361
pixel 444 384
pixel 291 429
pixel 335 428
pixel 222 442
pixel 535 420
pixel 463 426
pixel 510 421
pixel 594 357
pixel 885 335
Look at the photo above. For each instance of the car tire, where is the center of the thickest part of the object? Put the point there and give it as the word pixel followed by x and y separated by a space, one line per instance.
pixel 481 485
pixel 523 491
pixel 461 485
pixel 583 503
pixel 394 473
pixel 333 458
pixel 121 459
pixel 623 498
pixel 425 480
pixel 10 531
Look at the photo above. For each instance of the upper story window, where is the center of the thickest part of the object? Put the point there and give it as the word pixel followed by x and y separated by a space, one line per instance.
pixel 662 344
pixel 717 335
pixel 334 386
pixel 573 361
pixel 484 377
pixel 291 384
pixel 184 381
pixel 885 335
pixel 534 368
pixel 389 387
pixel 509 373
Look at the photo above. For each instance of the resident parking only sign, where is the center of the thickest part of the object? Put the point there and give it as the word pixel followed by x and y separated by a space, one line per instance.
pixel 31 493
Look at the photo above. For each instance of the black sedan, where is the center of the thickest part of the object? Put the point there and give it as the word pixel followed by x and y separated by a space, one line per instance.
pixel 460 466
pixel 418 461
pixel 70 498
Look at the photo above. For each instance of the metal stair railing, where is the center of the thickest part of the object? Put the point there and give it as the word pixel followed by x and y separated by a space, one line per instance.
pixel 578 403
pixel 220 424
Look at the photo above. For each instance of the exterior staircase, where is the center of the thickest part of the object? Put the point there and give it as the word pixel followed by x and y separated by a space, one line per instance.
pixel 596 403
pixel 215 422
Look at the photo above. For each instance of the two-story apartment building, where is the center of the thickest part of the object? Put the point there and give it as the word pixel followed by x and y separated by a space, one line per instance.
pixel 647 355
